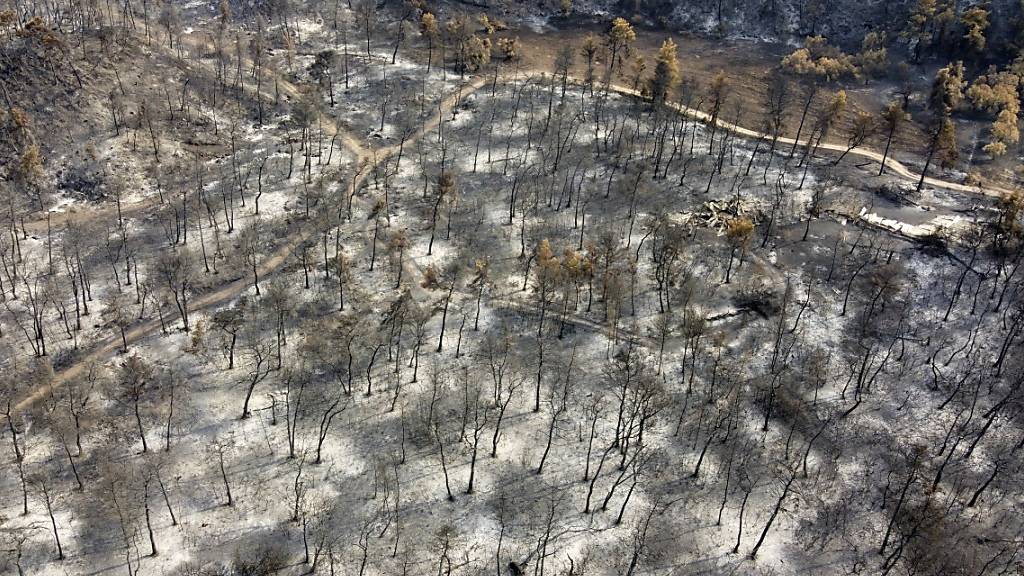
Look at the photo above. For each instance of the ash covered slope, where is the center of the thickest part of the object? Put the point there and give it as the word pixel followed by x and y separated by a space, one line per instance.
pixel 845 22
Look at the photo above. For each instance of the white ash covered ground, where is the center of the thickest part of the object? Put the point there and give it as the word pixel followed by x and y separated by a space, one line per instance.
pixel 486 321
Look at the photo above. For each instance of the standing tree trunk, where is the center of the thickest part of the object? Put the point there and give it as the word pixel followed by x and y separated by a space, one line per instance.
pixel 775 512
pixel 743 509
pixel 48 501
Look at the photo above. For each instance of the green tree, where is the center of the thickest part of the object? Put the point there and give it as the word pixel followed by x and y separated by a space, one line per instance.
pixel 738 233
pixel 666 72
pixel 509 48
pixel 919 26
pixel 1004 133
pixel 873 59
pixel 620 40
pixel 818 58
pixel 477 53
pixel 430 31
pixel 998 93
pixel 947 89
pixel 975 22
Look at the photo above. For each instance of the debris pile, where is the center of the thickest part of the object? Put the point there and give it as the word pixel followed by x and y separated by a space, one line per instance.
pixel 718 213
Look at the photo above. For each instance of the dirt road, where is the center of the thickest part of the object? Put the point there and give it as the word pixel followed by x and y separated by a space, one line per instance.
pixel 221 296
pixel 366 154
pixel 891 165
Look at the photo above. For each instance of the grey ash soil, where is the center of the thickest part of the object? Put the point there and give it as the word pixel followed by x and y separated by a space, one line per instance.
pixel 702 361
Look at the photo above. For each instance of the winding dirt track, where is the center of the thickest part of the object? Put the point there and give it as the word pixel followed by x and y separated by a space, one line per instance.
pixel 365 155
pixel 891 165
pixel 109 346
pixel 199 67
pixel 353 144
